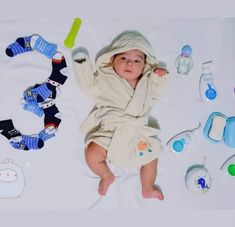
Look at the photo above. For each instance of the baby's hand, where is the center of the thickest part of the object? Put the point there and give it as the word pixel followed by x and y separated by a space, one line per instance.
pixel 160 71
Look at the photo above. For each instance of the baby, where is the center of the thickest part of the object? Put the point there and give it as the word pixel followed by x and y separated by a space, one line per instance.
pixel 127 81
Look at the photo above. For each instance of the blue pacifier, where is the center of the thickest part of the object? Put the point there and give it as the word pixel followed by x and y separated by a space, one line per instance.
pixel 178 145
pixel 210 93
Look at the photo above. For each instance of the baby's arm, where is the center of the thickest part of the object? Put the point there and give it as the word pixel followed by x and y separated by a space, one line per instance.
pixel 160 82
pixel 84 71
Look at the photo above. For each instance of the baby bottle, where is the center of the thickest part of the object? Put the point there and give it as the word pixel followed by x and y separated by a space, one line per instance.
pixel 184 61
pixel 207 88
pixel 178 143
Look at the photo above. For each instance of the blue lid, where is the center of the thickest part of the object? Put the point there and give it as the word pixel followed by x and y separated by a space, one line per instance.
pixel 210 93
pixel 178 145
pixel 186 50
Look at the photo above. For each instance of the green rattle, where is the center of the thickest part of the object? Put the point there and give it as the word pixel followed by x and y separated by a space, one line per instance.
pixel 70 39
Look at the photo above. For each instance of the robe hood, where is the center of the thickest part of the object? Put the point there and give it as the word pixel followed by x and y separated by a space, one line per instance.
pixel 124 42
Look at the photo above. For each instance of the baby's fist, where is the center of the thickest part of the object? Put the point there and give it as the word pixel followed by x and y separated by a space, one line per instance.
pixel 160 71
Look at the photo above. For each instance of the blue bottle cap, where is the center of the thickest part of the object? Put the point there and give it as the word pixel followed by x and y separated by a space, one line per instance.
pixel 178 145
pixel 210 93
pixel 186 50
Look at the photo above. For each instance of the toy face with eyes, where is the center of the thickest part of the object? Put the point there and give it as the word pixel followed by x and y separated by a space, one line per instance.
pixel 11 180
pixel 8 175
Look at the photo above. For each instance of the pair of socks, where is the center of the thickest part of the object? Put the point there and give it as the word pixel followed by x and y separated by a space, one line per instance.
pixel 17 140
pixel 40 97
pixel 29 43
pixel 48 90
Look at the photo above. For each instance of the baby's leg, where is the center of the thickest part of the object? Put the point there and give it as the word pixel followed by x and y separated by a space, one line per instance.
pixel 148 175
pixel 96 160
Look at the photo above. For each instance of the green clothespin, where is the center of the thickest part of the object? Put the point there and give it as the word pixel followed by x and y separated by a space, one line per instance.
pixel 70 39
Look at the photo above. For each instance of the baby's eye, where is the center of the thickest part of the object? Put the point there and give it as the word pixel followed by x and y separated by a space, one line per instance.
pixel 123 58
pixel 138 61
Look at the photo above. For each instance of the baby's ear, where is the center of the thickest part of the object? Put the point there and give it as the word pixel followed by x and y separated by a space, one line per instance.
pixel 111 59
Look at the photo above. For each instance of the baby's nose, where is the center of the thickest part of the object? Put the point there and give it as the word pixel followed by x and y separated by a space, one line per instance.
pixel 129 62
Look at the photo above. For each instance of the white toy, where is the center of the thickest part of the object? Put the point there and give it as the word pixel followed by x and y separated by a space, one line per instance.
pixel 207 89
pixel 184 61
pixel 228 167
pixel 198 179
pixel 12 180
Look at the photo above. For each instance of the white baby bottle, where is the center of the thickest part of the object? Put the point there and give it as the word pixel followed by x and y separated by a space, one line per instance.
pixel 184 61
pixel 178 143
pixel 207 88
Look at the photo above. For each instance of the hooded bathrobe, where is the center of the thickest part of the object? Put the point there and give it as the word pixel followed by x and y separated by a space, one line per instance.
pixel 120 120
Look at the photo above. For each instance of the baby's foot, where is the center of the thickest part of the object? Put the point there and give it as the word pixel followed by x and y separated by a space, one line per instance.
pixel 153 192
pixel 105 183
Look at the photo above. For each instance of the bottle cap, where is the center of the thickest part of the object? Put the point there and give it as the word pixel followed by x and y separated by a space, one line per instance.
pixel 186 50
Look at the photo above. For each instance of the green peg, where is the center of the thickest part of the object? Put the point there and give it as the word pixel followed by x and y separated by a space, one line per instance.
pixel 70 39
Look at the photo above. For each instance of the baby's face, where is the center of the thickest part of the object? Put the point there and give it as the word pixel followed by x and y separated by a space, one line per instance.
pixel 129 64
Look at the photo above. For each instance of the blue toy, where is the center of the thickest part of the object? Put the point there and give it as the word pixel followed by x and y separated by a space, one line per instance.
pixel 219 128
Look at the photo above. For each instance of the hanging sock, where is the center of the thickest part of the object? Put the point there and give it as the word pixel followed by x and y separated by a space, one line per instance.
pixel 47 133
pixel 21 45
pixel 42 46
pixel 38 93
pixel 59 70
pixel 32 107
pixel 8 130
pixel 27 142
pixel 52 117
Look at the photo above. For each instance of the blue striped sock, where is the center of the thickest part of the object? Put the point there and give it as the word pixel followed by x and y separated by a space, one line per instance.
pixel 21 45
pixel 44 135
pixel 33 107
pixel 27 143
pixel 38 93
pixel 44 47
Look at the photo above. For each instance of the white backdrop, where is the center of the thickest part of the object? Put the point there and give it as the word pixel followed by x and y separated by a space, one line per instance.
pixel 56 176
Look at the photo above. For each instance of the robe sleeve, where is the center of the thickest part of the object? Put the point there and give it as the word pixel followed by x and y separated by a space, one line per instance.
pixel 84 73
pixel 159 84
